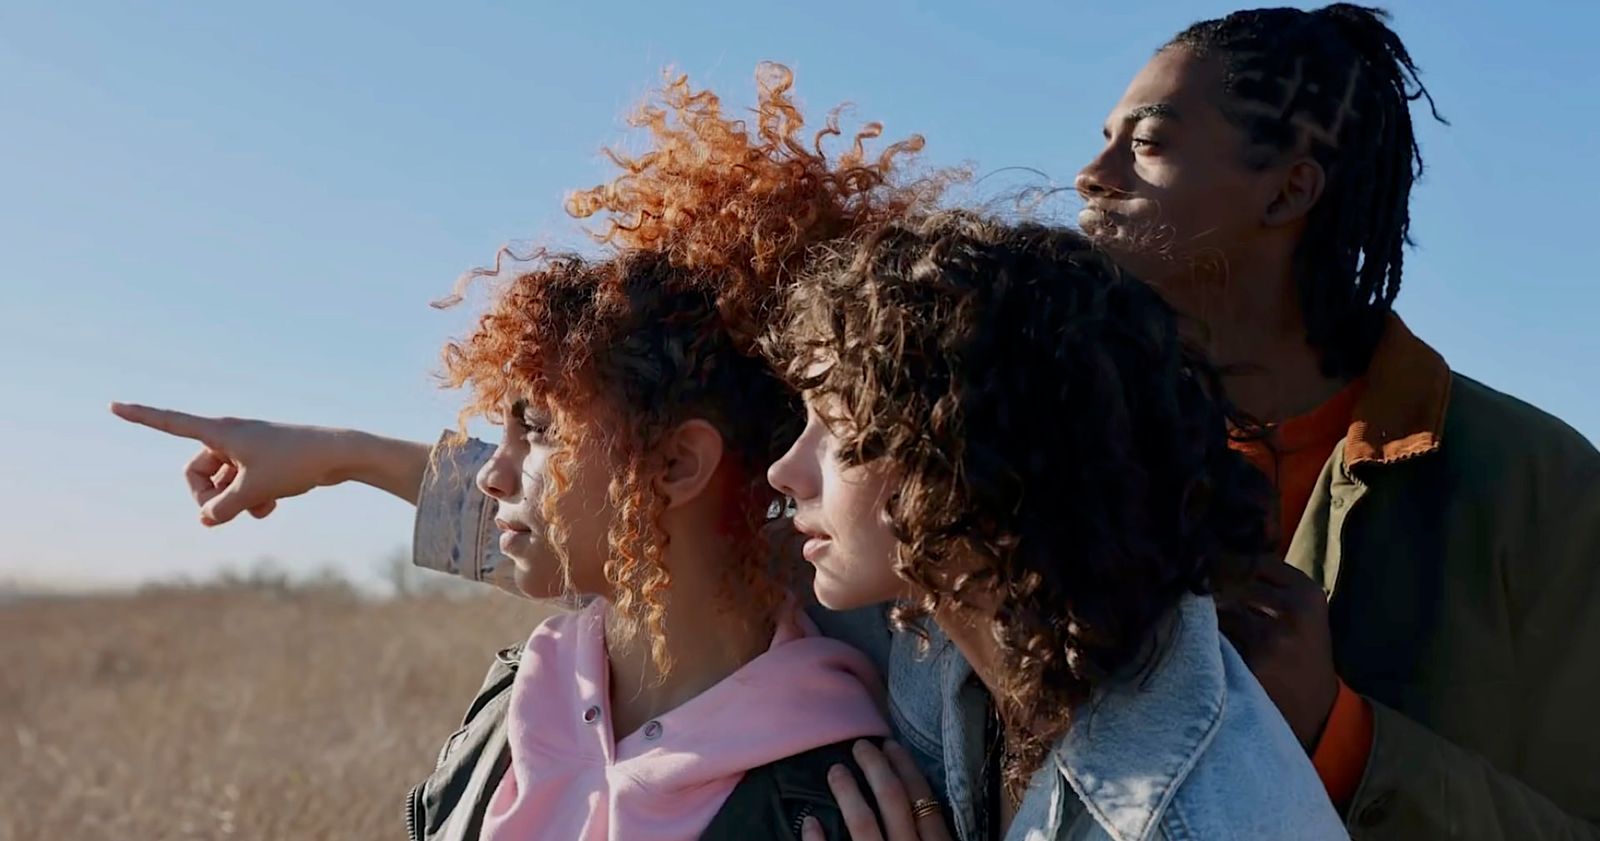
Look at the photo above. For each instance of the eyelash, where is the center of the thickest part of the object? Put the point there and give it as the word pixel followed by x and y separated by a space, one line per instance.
pixel 532 429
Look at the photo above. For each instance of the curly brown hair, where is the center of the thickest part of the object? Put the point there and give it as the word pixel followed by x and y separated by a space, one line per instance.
pixel 704 230
pixel 1062 456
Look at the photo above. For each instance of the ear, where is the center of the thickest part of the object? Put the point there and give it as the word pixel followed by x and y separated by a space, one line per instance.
pixel 692 451
pixel 1299 191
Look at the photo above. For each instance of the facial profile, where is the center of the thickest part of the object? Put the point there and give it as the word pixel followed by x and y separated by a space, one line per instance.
pixel 552 505
pixel 840 512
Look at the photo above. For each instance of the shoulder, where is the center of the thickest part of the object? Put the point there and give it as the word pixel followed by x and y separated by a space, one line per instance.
pixel 773 800
pixel 1504 433
pixel 1253 780
pixel 495 688
pixel 805 775
pixel 472 759
pixel 1534 478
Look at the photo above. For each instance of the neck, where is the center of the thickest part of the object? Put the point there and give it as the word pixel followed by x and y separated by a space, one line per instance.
pixel 968 629
pixel 707 637
pixel 1245 313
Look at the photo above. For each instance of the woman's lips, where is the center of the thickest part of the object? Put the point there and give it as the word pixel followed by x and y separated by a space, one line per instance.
pixel 513 541
pixel 513 536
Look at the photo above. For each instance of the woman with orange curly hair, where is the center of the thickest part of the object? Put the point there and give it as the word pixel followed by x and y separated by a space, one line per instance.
pixel 690 697
pixel 1006 436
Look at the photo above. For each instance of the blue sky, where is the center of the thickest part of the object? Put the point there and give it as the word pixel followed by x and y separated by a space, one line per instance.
pixel 246 208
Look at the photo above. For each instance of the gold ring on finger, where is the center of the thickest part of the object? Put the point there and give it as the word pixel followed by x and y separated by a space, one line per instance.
pixel 924 807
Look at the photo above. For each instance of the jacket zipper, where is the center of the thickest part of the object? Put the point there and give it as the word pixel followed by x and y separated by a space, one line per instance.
pixel 413 831
pixel 800 818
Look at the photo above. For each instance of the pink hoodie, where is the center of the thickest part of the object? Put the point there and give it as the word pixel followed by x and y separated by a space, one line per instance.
pixel 572 780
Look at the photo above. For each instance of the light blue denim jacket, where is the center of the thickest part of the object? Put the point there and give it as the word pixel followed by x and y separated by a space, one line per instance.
pixel 1192 749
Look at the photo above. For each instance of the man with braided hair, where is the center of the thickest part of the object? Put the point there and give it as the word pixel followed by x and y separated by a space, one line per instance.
pixel 1432 637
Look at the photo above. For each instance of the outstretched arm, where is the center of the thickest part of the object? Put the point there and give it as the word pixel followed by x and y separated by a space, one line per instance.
pixel 249 465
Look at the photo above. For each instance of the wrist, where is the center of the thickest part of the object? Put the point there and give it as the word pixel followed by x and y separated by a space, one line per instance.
pixel 388 464
pixel 1344 747
pixel 1324 706
pixel 347 455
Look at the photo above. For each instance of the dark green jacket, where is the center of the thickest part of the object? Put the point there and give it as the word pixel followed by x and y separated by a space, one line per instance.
pixel 1458 533
pixel 770 802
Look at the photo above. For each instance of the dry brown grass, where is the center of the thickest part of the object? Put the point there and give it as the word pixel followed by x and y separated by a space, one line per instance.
pixel 233 714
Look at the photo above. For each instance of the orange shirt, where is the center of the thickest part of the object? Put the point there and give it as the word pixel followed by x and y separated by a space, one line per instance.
pixel 1298 450
pixel 1293 459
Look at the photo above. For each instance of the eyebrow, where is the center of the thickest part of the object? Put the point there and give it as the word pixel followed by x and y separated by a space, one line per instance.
pixel 1144 112
pixel 1154 109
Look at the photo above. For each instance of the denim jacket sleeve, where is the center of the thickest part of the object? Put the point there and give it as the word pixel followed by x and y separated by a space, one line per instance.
pixel 455 531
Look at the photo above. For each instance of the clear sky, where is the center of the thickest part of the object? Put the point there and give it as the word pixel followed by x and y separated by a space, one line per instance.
pixel 246 208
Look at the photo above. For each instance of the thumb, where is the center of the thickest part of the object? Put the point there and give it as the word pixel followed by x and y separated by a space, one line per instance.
pixel 228 504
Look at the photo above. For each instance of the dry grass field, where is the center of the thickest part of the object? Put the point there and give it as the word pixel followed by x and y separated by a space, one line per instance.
pixel 211 714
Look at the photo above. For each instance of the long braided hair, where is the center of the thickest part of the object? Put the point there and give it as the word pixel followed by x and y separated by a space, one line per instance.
pixel 1339 81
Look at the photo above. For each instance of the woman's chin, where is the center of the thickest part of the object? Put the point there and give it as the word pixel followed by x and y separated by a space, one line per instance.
pixel 834 594
pixel 537 583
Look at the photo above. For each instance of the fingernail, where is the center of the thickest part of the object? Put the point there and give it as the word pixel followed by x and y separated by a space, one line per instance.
pixel 837 772
pixel 810 824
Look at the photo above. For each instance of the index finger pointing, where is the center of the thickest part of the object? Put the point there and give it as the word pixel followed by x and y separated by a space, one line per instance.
pixel 166 420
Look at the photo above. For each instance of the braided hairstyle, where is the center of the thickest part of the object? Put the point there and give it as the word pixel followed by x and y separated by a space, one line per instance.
pixel 1339 81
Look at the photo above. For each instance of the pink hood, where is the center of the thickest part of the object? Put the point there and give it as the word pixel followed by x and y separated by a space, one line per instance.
pixel 571 780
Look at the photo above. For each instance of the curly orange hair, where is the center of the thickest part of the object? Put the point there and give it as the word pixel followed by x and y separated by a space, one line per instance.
pixel 705 230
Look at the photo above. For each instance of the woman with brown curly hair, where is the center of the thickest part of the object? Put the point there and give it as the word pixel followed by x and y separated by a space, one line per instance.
pixel 1006 436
